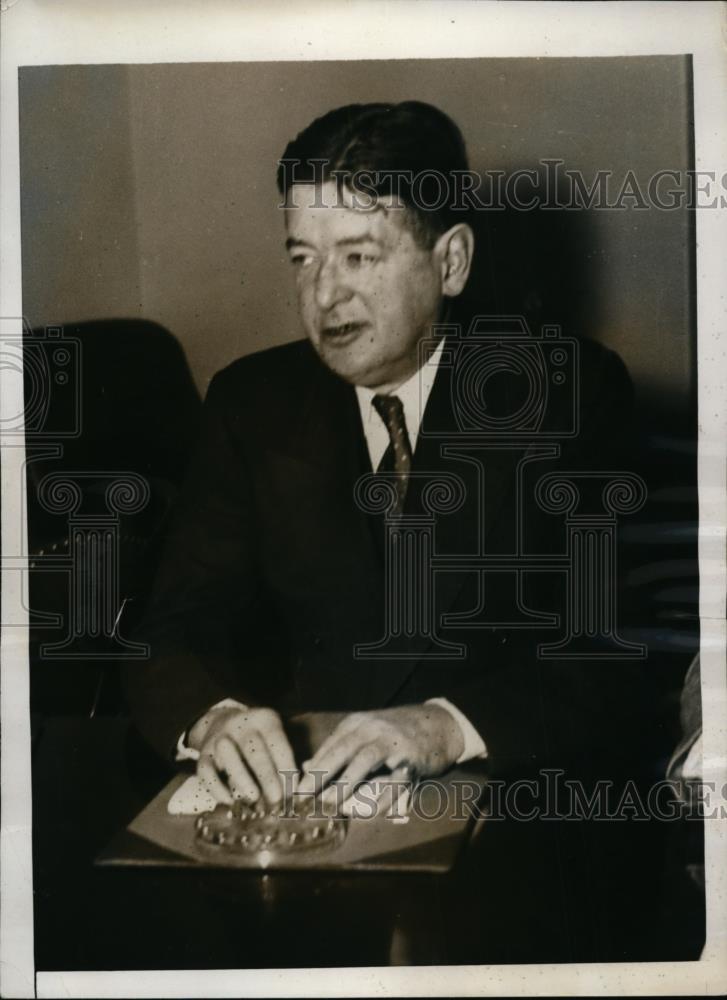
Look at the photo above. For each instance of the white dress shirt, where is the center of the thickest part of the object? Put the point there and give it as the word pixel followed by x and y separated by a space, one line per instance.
pixel 413 394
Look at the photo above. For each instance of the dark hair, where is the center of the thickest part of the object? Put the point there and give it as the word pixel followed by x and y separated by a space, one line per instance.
pixel 411 149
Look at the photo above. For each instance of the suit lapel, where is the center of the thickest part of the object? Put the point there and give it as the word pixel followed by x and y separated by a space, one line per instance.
pixel 442 449
pixel 329 440
pixel 486 470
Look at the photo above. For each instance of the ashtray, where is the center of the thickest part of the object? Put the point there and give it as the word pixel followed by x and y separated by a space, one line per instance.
pixel 245 828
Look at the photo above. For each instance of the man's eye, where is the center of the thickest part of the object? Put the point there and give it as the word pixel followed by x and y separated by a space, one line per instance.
pixel 356 260
pixel 301 259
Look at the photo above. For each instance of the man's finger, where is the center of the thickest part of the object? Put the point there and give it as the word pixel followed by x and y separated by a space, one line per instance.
pixel 366 760
pixel 330 763
pixel 279 747
pixel 227 758
pixel 259 760
pixel 207 772
pixel 348 725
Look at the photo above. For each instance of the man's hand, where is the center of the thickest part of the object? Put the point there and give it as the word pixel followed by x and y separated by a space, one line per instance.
pixel 426 737
pixel 247 746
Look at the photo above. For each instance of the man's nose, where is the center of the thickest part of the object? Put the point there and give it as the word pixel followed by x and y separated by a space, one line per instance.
pixel 331 286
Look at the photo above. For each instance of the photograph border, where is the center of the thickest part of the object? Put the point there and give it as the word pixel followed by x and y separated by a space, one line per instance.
pixel 39 32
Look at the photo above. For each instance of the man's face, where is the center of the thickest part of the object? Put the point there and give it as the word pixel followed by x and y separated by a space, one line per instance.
pixel 368 293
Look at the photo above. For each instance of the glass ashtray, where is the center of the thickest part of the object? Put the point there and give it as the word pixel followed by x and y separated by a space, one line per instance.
pixel 245 828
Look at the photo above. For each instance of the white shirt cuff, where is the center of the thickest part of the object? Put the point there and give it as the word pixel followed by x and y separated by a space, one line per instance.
pixel 189 753
pixel 474 745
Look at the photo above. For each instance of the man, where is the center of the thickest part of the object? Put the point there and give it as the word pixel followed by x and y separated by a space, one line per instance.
pixel 274 575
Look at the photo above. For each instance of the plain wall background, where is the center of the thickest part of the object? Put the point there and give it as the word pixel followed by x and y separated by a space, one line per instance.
pixel 148 191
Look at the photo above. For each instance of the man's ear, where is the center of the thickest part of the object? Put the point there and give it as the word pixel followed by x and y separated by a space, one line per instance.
pixel 454 250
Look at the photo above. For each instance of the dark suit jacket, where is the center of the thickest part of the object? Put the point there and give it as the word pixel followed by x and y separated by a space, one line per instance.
pixel 272 573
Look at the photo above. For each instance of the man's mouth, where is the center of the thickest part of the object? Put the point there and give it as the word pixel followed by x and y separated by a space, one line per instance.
pixel 341 334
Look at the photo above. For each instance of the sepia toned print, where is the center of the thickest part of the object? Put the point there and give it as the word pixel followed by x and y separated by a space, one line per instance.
pixel 359 547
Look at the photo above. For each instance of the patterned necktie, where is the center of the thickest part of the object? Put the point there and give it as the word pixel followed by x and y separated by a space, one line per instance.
pixel 397 457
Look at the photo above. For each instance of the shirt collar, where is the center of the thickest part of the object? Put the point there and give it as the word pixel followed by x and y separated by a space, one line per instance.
pixel 414 394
